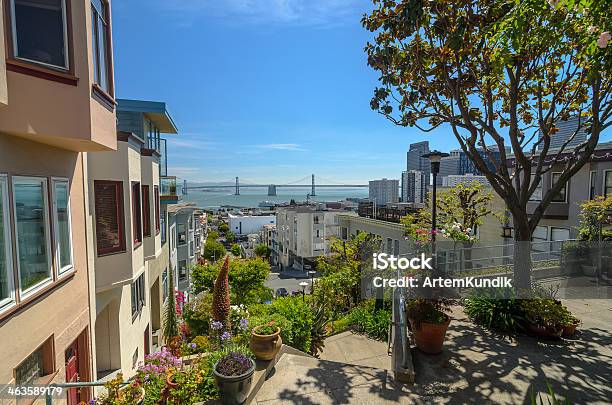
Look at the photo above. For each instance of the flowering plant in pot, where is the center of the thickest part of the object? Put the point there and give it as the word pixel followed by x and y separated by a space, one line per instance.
pixel 265 340
pixel 429 322
pixel 544 317
pixel 234 374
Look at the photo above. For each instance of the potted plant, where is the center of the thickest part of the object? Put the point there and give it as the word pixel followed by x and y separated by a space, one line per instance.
pixel 544 317
pixel 120 394
pixel 234 374
pixel 266 341
pixel 569 323
pixel 429 322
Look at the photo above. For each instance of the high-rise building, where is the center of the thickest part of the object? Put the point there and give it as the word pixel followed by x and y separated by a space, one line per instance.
pixel 453 180
pixel 414 160
pixel 414 186
pixel 384 191
pixel 566 131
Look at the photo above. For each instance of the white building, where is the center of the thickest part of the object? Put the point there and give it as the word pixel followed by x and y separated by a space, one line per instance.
pixel 384 191
pixel 303 233
pixel 414 186
pixel 453 180
pixel 242 224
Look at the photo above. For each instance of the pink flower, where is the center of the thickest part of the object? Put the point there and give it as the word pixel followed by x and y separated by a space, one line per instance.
pixel 603 40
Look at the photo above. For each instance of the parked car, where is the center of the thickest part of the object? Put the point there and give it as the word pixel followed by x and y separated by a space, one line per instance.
pixel 281 292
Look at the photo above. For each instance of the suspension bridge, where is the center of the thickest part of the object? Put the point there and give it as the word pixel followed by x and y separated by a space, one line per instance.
pixel 236 184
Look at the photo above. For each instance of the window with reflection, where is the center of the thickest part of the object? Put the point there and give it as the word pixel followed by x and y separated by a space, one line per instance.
pixel 99 37
pixel 32 226
pixel 61 220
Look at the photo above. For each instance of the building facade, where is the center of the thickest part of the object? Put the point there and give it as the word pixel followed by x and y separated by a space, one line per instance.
pixel 414 161
pixel 242 224
pixel 56 104
pixel 302 234
pixel 383 191
pixel 453 180
pixel 414 187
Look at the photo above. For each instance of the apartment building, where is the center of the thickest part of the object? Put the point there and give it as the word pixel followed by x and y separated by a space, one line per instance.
pixel 562 217
pixel 129 258
pixel 383 191
pixel 414 186
pixel 56 102
pixel 182 226
pixel 453 180
pixel 302 234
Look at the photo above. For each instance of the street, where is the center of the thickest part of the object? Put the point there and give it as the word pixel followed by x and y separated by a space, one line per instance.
pixel 290 280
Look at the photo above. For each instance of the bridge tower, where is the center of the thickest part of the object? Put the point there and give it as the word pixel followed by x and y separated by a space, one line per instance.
pixel 312 192
pixel 272 190
pixel 184 187
pixel 237 187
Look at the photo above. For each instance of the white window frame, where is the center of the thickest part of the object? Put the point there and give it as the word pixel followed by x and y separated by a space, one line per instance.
pixel 8 249
pixel 603 183
pixel 65 68
pixel 592 174
pixel 62 271
pixel 553 228
pixel 566 186
pixel 33 179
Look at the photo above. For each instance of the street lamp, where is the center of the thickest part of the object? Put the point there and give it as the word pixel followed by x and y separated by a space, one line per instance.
pixel 303 284
pixel 312 273
pixel 435 156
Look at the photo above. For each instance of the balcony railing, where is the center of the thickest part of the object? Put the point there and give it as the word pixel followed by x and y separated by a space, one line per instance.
pixel 169 189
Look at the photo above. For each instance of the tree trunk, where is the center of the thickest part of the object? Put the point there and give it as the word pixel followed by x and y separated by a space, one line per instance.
pixel 522 253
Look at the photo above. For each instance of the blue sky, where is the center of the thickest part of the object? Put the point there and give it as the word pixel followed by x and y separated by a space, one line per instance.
pixel 268 90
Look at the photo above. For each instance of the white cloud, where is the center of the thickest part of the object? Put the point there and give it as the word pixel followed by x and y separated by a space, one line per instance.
pixel 321 13
pixel 282 146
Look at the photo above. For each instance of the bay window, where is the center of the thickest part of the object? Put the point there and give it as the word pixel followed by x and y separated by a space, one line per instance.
pixel 138 295
pixel 136 214
pixel 61 224
pixel 100 44
pixel 157 214
pixel 31 209
pixel 146 211
pixel 40 32
pixel 110 235
pixel 6 269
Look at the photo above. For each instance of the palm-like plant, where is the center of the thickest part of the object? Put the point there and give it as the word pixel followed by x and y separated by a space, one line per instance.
pixel 170 327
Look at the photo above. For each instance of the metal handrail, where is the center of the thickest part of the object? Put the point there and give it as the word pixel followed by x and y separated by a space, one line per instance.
pixel 68 385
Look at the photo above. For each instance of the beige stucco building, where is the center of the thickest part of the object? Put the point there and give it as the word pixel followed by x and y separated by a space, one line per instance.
pixel 56 102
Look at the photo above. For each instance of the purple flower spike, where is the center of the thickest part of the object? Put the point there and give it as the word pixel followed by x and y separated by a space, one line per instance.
pixel 225 336
pixel 216 325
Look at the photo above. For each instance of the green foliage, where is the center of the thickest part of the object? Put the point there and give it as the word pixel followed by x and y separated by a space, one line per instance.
pixel 170 325
pixel 496 309
pixel 279 320
pixel 319 331
pixel 593 216
pixel 301 317
pixel 368 320
pixel 262 250
pixel 214 250
pixel 223 227
pixel 235 250
pixel 212 235
pixel 546 312
pixel 536 398
pixel 230 236
pixel 197 313
pixel 427 310
pixel 246 280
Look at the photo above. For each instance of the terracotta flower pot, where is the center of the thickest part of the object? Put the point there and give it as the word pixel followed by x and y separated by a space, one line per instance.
pixel 265 347
pixel 546 332
pixel 569 330
pixel 429 336
pixel 170 381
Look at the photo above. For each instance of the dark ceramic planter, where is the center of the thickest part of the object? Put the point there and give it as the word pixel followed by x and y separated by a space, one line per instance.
pixel 234 390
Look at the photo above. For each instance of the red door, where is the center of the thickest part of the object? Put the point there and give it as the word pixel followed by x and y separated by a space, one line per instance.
pixel 72 372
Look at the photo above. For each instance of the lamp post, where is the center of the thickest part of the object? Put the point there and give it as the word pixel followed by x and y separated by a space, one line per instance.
pixel 435 156
pixel 312 273
pixel 303 284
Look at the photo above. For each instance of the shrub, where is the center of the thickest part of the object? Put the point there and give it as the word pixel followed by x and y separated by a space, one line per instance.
pixel 262 250
pixel 223 228
pixel 235 249
pixel 197 313
pixel 212 235
pixel 366 319
pixel 496 309
pixel 301 317
pixel 214 250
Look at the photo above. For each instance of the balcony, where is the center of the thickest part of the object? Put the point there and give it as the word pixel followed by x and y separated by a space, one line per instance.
pixel 169 193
